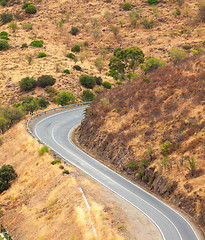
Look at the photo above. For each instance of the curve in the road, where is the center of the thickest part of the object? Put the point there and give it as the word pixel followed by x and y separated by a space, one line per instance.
pixel 54 130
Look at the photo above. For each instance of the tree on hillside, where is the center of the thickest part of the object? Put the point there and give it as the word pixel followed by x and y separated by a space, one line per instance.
pixel 7 174
pixel 125 62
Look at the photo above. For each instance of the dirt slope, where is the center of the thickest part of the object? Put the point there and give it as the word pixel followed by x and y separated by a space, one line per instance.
pixel 129 127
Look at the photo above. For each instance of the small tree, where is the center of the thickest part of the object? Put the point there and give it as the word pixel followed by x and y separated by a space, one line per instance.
pixel 99 63
pixel 7 174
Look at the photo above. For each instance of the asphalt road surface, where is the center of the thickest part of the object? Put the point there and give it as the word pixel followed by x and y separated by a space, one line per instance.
pixel 54 130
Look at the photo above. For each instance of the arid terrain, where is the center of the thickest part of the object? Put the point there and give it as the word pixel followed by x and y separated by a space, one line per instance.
pixel 44 203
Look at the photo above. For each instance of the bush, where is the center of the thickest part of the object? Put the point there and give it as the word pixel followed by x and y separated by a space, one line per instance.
pixel 148 23
pixel 65 98
pixel 43 150
pixel 76 48
pixel 66 172
pixel 42 55
pixel 27 84
pixel 42 102
pixel 4 45
pixel 176 54
pixel 66 71
pixel 25 5
pixel 30 104
pixel 36 43
pixel 12 115
pixel 74 31
pixel 87 81
pixel 152 63
pixel 24 45
pixel 31 9
pixel 107 85
pixel 6 17
pixel 71 56
pixel 55 161
pixel 46 80
pixel 3 2
pixel 4 35
pixel 27 26
pixel 77 67
pixel 7 174
pixel 85 44
pixel 119 83
pixel 152 2
pixel 98 80
pixel 127 6
pixel 88 95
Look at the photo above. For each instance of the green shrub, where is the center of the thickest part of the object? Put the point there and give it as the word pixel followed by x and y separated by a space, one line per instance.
pixel 25 5
pixel 6 17
pixel 7 174
pixel 76 48
pixel 98 80
pixel 88 96
pixel 27 26
pixel 3 2
pixel 166 147
pixel 66 71
pixel 176 54
pixel 66 171
pixel 36 43
pixel 4 35
pixel 4 45
pixel 107 85
pixel 43 150
pixel 55 161
pixel 42 102
pixel 74 31
pixel 87 81
pixel 42 55
pixel 152 2
pixel 178 12
pixel 46 80
pixel 77 67
pixel 27 84
pixel 71 56
pixel 132 165
pixel 24 45
pixel 148 23
pixel 85 44
pixel 61 167
pixel 119 83
pixel 127 6
pixel 65 98
pixel 152 63
pixel 31 9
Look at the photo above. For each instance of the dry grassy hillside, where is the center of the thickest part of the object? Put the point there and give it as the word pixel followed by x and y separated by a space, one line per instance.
pixel 150 130
pixel 44 203
pixel 52 24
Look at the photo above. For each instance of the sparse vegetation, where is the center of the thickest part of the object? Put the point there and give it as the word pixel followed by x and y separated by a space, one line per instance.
pixel 176 54
pixel 43 150
pixel 148 23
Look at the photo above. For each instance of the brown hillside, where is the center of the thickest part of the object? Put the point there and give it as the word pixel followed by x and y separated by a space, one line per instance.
pixel 123 124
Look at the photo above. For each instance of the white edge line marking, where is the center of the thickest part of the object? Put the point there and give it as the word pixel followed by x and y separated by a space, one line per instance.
pixel 62 112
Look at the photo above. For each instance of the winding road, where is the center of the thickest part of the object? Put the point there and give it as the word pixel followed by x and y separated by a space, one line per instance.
pixel 54 130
